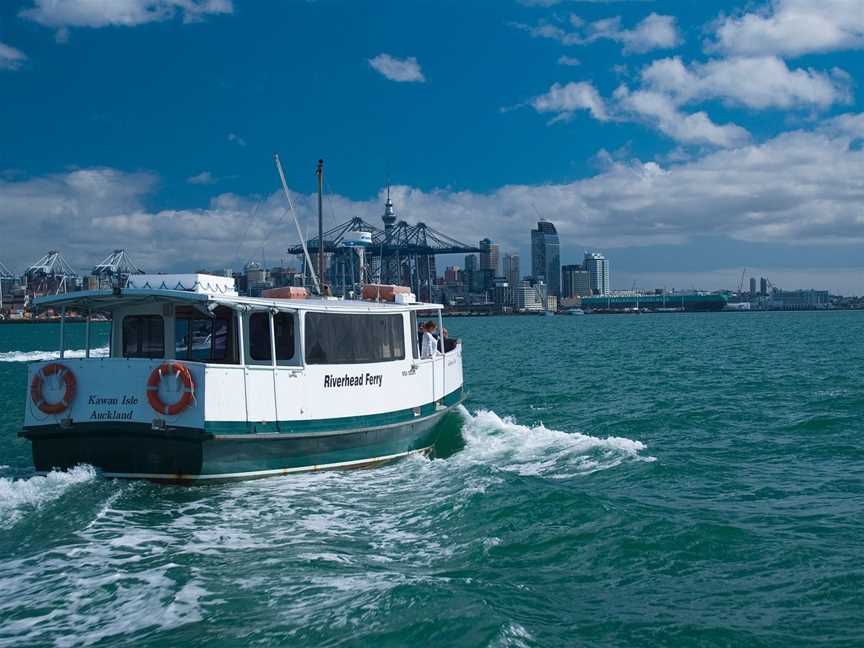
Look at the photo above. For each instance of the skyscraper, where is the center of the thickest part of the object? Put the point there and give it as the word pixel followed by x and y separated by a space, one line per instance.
pixel 752 285
pixel 598 271
pixel 575 282
pixel 511 269
pixel 489 256
pixel 546 256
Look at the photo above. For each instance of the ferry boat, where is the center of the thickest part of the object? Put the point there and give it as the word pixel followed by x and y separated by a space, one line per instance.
pixel 201 383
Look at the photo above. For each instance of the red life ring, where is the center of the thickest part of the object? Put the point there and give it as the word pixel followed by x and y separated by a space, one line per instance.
pixel 166 369
pixel 38 383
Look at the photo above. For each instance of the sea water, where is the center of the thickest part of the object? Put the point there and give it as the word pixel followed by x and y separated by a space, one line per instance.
pixel 670 480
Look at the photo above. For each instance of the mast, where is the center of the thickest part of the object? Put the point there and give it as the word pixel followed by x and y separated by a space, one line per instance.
pixel 320 173
pixel 308 263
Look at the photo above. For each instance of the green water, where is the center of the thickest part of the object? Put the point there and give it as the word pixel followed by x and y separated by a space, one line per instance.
pixel 665 480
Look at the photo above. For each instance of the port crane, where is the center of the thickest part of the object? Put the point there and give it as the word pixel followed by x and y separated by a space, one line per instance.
pixel 115 269
pixel 51 273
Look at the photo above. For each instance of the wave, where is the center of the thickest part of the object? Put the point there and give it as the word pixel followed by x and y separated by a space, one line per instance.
pixel 19 495
pixel 509 446
pixel 36 356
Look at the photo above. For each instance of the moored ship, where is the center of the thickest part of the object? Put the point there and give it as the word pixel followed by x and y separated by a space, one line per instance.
pixel 664 303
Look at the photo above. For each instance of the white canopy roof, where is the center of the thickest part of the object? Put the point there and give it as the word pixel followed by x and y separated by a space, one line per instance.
pixel 106 300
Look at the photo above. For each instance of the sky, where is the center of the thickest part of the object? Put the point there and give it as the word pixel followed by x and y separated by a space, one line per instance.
pixel 688 140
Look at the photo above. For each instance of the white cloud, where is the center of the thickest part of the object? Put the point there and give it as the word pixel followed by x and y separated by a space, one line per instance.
pixel 567 99
pixel 568 60
pixel 655 109
pixel 234 137
pixel 758 83
pixel 63 14
pixel 11 58
pixel 660 111
pixel 395 69
pixel 791 28
pixel 203 178
pixel 653 32
pixel 802 187
pixel 666 85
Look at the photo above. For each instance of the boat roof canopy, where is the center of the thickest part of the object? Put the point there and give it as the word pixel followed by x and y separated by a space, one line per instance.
pixel 108 300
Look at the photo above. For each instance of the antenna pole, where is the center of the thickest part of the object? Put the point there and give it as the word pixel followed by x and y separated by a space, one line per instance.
pixel 296 224
pixel 320 173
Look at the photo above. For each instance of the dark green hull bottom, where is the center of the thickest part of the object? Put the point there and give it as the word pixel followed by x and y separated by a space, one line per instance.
pixel 193 455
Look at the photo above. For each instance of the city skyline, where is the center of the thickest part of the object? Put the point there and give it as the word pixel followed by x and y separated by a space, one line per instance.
pixel 686 140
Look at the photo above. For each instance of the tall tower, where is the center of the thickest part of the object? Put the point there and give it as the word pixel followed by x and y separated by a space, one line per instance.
pixel 546 256
pixel 389 217
pixel 597 266
pixel 511 269
pixel 489 252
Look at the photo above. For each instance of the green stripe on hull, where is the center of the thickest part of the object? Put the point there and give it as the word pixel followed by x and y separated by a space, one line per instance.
pixel 241 428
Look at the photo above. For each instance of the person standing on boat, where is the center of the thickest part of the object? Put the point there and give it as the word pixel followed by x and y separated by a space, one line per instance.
pixel 429 347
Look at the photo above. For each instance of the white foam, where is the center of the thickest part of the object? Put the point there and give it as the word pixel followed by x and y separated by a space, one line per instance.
pixel 19 495
pixel 37 356
pixel 514 635
pixel 537 450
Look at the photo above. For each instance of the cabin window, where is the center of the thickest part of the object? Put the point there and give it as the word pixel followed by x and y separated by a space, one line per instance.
pixel 416 336
pixel 203 339
pixel 338 338
pixel 143 336
pixel 259 336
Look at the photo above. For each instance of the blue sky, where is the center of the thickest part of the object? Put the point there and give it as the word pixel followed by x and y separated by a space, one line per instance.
pixel 686 139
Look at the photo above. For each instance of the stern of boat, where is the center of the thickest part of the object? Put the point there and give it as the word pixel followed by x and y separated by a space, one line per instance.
pixel 96 411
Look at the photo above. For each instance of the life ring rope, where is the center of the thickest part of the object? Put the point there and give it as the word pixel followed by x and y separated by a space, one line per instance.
pixel 181 372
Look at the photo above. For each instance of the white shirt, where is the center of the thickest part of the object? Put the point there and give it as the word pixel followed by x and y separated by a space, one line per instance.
pixel 429 348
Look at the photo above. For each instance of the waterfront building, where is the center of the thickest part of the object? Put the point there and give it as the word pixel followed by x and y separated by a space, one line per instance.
pixel 282 276
pixel 452 275
pixel 481 281
pixel 575 281
pixel 763 286
pixel 800 299
pixel 752 285
pixel 598 271
pixel 511 268
pixel 502 293
pixel 489 252
pixel 255 274
pixel 525 297
pixel 546 256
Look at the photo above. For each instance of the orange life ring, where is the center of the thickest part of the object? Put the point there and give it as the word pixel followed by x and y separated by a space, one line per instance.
pixel 166 369
pixel 38 383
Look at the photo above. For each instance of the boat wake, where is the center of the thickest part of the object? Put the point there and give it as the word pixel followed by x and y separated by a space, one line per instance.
pixel 17 496
pixel 37 356
pixel 509 446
